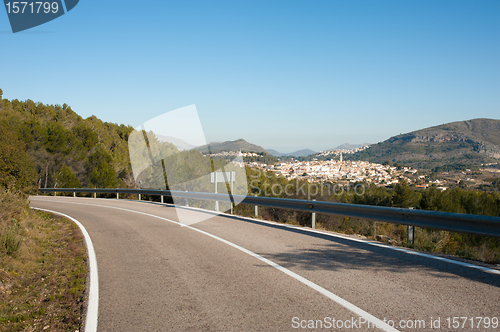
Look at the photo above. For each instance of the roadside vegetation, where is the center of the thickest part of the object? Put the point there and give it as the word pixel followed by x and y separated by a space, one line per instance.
pixel 42 269
pixel 42 257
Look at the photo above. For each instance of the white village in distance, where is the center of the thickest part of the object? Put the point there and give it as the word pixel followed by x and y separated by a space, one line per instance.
pixel 339 170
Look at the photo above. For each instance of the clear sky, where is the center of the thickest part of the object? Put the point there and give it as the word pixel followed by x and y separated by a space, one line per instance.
pixel 281 74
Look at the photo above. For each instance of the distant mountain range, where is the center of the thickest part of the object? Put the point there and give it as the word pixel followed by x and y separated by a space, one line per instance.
pixel 244 146
pixel 299 153
pixel 308 152
pixel 471 142
pixel 349 146
pixel 274 152
pixel 239 144
pixel 463 142
pixel 179 144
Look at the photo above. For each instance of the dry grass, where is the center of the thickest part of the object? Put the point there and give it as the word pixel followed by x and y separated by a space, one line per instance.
pixel 478 248
pixel 42 282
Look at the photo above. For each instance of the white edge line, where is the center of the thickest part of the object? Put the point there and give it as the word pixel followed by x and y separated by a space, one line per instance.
pixel 93 304
pixel 358 311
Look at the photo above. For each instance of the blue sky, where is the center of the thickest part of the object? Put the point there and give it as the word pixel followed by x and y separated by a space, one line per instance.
pixel 281 74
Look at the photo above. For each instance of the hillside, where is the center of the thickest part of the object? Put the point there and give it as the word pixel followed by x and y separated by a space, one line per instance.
pixel 239 144
pixel 61 149
pixel 471 142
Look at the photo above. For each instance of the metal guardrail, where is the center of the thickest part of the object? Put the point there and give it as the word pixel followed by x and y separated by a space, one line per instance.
pixel 454 222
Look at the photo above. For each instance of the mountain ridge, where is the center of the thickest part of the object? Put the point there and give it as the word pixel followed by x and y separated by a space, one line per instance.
pixel 298 153
pixel 179 143
pixel 349 146
pixel 473 141
pixel 236 145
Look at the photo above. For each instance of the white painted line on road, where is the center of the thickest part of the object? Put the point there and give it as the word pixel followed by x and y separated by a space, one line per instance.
pixel 374 321
pixel 93 306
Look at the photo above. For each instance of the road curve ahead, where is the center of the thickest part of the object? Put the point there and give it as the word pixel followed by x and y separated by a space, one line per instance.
pixel 234 274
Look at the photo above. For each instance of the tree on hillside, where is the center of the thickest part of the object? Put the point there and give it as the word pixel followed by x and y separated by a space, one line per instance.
pixel 17 170
pixel 99 170
pixel 57 138
pixel 432 199
pixel 374 195
pixel 86 135
pixel 404 196
pixel 67 179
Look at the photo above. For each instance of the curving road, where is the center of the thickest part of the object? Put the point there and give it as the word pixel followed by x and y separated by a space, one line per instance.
pixel 236 274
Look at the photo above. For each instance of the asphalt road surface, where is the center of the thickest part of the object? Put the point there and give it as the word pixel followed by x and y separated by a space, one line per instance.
pixel 235 274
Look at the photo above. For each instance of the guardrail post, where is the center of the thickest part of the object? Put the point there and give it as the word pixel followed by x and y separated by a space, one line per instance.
pixel 256 210
pixel 232 179
pixel 313 219
pixel 117 195
pixel 410 233
pixel 74 194
pixel 139 196
pixel 216 202
pixel 95 195
pixel 161 199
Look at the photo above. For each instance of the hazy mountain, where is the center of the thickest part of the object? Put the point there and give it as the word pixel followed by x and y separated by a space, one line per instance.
pixel 302 153
pixel 471 142
pixel 239 144
pixel 349 146
pixel 299 153
pixel 275 153
pixel 179 144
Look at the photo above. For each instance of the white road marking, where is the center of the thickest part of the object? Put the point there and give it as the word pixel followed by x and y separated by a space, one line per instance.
pixel 358 311
pixel 93 305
